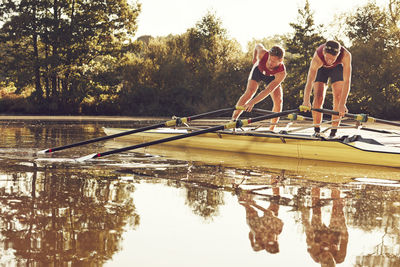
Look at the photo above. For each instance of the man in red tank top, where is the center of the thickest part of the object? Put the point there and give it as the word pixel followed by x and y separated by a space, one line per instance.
pixel 268 67
pixel 333 61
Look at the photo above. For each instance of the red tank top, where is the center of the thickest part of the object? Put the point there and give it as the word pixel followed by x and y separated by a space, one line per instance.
pixel 338 60
pixel 263 67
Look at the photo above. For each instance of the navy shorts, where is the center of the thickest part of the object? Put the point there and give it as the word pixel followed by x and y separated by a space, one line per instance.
pixel 335 73
pixel 258 76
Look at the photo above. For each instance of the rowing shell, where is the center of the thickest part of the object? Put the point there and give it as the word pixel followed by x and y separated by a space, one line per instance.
pixel 354 149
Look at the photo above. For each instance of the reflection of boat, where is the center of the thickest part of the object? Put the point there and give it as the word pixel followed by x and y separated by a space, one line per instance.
pixel 328 171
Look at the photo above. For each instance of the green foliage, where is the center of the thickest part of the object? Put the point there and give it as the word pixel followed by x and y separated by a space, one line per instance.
pixel 376 66
pixel 51 44
pixel 13 102
pixel 77 57
pixel 301 47
pixel 189 73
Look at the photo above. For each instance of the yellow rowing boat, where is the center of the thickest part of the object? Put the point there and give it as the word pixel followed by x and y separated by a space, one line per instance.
pixel 346 149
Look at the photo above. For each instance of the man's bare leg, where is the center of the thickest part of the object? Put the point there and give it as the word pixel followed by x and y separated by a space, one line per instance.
pixel 251 89
pixel 337 89
pixel 319 98
pixel 277 99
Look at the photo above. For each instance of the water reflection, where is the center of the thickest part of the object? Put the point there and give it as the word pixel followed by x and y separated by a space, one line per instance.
pixel 265 229
pixel 325 211
pixel 56 212
pixel 57 218
pixel 327 245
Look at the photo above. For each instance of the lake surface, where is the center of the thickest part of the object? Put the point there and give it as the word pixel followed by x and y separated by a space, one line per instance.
pixel 165 207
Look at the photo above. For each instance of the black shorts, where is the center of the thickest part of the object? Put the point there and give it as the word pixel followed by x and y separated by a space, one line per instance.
pixel 335 73
pixel 258 76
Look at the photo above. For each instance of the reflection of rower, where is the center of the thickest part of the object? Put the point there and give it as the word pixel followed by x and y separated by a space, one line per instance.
pixel 326 245
pixel 264 230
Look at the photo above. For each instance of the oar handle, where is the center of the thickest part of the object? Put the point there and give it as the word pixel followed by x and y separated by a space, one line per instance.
pixel 358 117
pixel 215 112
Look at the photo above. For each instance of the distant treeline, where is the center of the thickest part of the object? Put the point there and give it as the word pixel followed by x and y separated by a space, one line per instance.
pixel 78 57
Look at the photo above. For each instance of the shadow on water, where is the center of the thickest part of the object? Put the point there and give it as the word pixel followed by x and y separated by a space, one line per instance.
pixel 54 211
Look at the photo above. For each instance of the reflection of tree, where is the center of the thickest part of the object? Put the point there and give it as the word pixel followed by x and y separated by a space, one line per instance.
pixel 265 229
pixel 201 183
pixel 369 208
pixel 54 134
pixel 382 202
pixel 376 209
pixel 204 184
pixel 326 244
pixel 203 200
pixel 68 218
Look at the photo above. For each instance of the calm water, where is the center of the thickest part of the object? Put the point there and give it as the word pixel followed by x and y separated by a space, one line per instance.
pixel 166 208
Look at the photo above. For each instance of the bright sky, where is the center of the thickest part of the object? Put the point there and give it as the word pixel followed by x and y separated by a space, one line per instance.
pixel 244 20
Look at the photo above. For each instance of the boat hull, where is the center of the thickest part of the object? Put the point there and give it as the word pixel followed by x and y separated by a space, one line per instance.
pixel 292 146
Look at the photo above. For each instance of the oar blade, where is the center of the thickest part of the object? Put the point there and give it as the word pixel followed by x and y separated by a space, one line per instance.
pixel 41 152
pixel 87 157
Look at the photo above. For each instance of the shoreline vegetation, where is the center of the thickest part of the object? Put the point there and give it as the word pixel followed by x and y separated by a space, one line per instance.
pixel 62 58
pixel 132 122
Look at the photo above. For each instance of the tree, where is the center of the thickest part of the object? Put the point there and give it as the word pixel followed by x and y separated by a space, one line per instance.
pixel 179 74
pixel 375 49
pixel 394 13
pixel 301 46
pixel 210 54
pixel 60 39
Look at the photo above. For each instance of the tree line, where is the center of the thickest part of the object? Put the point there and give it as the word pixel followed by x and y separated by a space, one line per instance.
pixel 80 57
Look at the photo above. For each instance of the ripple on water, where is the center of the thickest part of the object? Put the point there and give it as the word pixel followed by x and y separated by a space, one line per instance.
pixel 376 181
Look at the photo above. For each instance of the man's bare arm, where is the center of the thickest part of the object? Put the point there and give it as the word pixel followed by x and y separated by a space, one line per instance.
pixel 279 77
pixel 259 52
pixel 347 69
pixel 315 64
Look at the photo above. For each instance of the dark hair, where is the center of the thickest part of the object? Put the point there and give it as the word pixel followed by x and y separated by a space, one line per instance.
pixel 332 47
pixel 277 51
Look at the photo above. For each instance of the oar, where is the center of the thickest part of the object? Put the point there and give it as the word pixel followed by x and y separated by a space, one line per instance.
pixel 357 117
pixel 294 116
pixel 230 125
pixel 298 117
pixel 169 123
